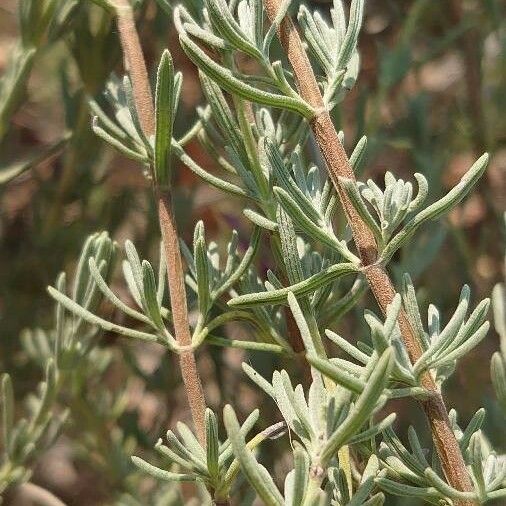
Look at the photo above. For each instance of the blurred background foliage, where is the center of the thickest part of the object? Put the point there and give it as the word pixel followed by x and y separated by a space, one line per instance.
pixel 430 97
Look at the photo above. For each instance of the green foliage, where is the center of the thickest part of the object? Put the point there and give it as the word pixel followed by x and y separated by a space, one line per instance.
pixel 255 127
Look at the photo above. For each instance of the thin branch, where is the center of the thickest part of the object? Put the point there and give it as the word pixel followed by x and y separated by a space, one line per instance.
pixel 338 165
pixel 136 67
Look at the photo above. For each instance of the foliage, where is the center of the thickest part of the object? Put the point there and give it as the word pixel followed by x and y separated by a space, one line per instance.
pixel 343 442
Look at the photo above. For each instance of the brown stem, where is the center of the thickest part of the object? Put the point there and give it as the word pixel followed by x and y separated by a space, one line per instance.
pixel 179 308
pixel 136 67
pixel 338 165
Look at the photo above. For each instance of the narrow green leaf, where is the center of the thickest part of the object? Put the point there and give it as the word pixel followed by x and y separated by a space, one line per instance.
pixel 164 118
pixel 364 407
pixel 89 317
pixel 202 269
pixel 161 474
pixel 104 288
pixel 353 193
pixel 138 156
pixel 226 80
pixel 305 287
pixel 350 39
pixel 149 287
pixel 443 205
pixel 212 444
pixel 316 231
pixel 301 475
pixel 260 221
pixel 337 374
pixel 215 181
pixel 255 473
pixel 245 345
pixel 259 380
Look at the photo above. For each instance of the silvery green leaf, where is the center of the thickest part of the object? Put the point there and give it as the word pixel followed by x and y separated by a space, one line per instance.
pixel 305 287
pixel 347 347
pixel 411 306
pixel 470 327
pixel 208 38
pixel 299 406
pixel 260 221
pixel 258 380
pixel 366 482
pixel 132 107
pixel 289 247
pixel 101 119
pixel 149 290
pixel 174 457
pixel 314 230
pixel 217 182
pixel 139 154
pixel 358 153
pixel 297 480
pixel 315 40
pixel 212 444
pixel 241 269
pixel 223 115
pixel 47 394
pixel 305 333
pixel 164 118
pixel 281 80
pixel 191 442
pixel 373 431
pixel 104 288
pixel 285 406
pixel 246 428
pixel 364 407
pixel 464 348
pixel 443 205
pixel 131 283
pixel 202 268
pixel 445 489
pixel 81 282
pixel 416 447
pixel 280 171
pixel 476 454
pixel 195 459
pixel 59 319
pixel 351 189
pixel 229 29
pixel 92 319
pixel 498 374
pixel 161 474
pixel 403 490
pixel 338 21
pixel 423 191
pixel 337 374
pixel 226 80
pixel 255 473
pixel 349 44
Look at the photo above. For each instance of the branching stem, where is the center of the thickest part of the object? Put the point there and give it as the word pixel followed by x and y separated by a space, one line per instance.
pixel 136 67
pixel 338 165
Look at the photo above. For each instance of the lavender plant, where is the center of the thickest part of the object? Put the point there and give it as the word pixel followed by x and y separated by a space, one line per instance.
pixel 267 125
